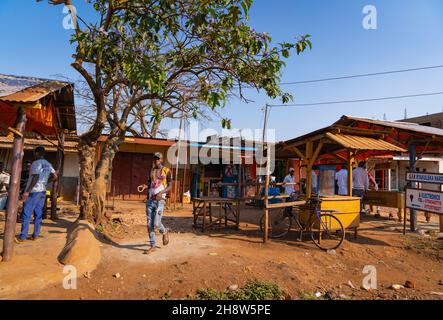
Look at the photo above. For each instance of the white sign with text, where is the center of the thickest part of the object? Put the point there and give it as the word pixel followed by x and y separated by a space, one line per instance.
pixel 424 200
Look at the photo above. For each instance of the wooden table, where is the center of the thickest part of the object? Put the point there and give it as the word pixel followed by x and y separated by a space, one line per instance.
pixel 228 211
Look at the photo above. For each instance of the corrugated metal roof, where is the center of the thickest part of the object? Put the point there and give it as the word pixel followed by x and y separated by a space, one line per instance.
pixel 408 126
pixel 31 144
pixel 11 84
pixel 363 143
pixel 27 89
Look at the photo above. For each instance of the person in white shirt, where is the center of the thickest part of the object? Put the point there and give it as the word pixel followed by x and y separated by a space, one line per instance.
pixel 360 182
pixel 314 182
pixel 4 185
pixel 342 181
pixel 34 196
pixel 288 182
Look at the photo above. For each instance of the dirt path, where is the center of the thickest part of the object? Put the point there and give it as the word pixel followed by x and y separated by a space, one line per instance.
pixel 35 263
pixel 218 259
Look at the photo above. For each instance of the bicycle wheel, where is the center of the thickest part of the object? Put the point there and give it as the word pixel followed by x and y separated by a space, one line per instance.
pixel 327 232
pixel 279 223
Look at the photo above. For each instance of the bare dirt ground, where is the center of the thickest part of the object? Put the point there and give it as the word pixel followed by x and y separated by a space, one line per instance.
pixel 220 258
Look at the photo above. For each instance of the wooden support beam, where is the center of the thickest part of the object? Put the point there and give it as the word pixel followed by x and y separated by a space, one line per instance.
pixel 304 141
pixel 59 170
pixel 339 157
pixel 309 154
pixel 317 153
pixel 345 129
pixel 350 163
pixel 297 152
pixel 14 187
pixel 15 132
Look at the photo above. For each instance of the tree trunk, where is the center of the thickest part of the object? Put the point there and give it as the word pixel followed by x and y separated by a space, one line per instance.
pixel 87 151
pixel 102 172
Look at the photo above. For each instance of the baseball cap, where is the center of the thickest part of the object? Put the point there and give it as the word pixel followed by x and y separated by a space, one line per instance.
pixel 158 155
pixel 291 169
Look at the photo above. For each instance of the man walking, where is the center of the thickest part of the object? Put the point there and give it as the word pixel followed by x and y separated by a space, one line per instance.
pixel 34 196
pixel 360 183
pixel 159 185
pixel 4 185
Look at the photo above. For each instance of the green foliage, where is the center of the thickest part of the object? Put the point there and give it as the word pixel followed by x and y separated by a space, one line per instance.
pixel 253 290
pixel 181 52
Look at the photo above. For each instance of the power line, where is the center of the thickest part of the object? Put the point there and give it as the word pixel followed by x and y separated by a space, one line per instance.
pixel 362 75
pixel 357 100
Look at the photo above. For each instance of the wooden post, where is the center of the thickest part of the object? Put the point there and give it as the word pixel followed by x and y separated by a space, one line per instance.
pixel 59 170
pixel 309 150
pixel 184 182
pixel 14 187
pixel 441 223
pixel 412 168
pixel 350 162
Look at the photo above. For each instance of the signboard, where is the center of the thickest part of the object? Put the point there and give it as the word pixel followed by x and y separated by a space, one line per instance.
pixel 425 177
pixel 424 200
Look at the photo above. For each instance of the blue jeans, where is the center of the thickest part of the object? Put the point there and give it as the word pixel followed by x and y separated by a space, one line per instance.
pixel 34 204
pixel 3 201
pixel 154 213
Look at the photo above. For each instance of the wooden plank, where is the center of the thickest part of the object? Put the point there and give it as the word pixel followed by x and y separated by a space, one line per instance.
pixel 286 205
pixel 272 197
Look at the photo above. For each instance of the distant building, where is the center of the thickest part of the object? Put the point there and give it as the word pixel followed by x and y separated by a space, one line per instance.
pixel 131 165
pixel 431 120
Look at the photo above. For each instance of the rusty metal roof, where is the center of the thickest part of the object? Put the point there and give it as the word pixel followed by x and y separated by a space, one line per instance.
pixel 71 145
pixel 406 126
pixel 363 143
pixel 34 93
pixel 10 84
pixel 30 90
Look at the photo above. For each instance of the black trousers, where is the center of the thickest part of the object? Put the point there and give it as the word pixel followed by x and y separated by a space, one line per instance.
pixel 361 194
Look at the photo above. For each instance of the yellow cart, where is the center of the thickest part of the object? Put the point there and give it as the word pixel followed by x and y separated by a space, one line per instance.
pixel 347 210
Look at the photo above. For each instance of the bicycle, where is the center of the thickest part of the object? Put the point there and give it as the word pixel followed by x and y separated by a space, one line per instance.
pixel 325 229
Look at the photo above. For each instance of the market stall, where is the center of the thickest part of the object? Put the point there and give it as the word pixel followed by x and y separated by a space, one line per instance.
pixel 335 145
pixel 44 107
pixel 351 139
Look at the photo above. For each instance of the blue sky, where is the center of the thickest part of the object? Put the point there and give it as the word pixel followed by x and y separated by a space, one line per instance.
pixel 409 35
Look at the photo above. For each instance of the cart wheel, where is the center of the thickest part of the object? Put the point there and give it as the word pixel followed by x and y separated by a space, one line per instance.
pixel 279 223
pixel 327 233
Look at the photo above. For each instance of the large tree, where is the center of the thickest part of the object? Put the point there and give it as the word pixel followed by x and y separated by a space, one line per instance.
pixel 160 57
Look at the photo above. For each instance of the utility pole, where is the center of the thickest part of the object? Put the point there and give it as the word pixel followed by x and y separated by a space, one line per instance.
pixel 268 169
pixel 412 168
